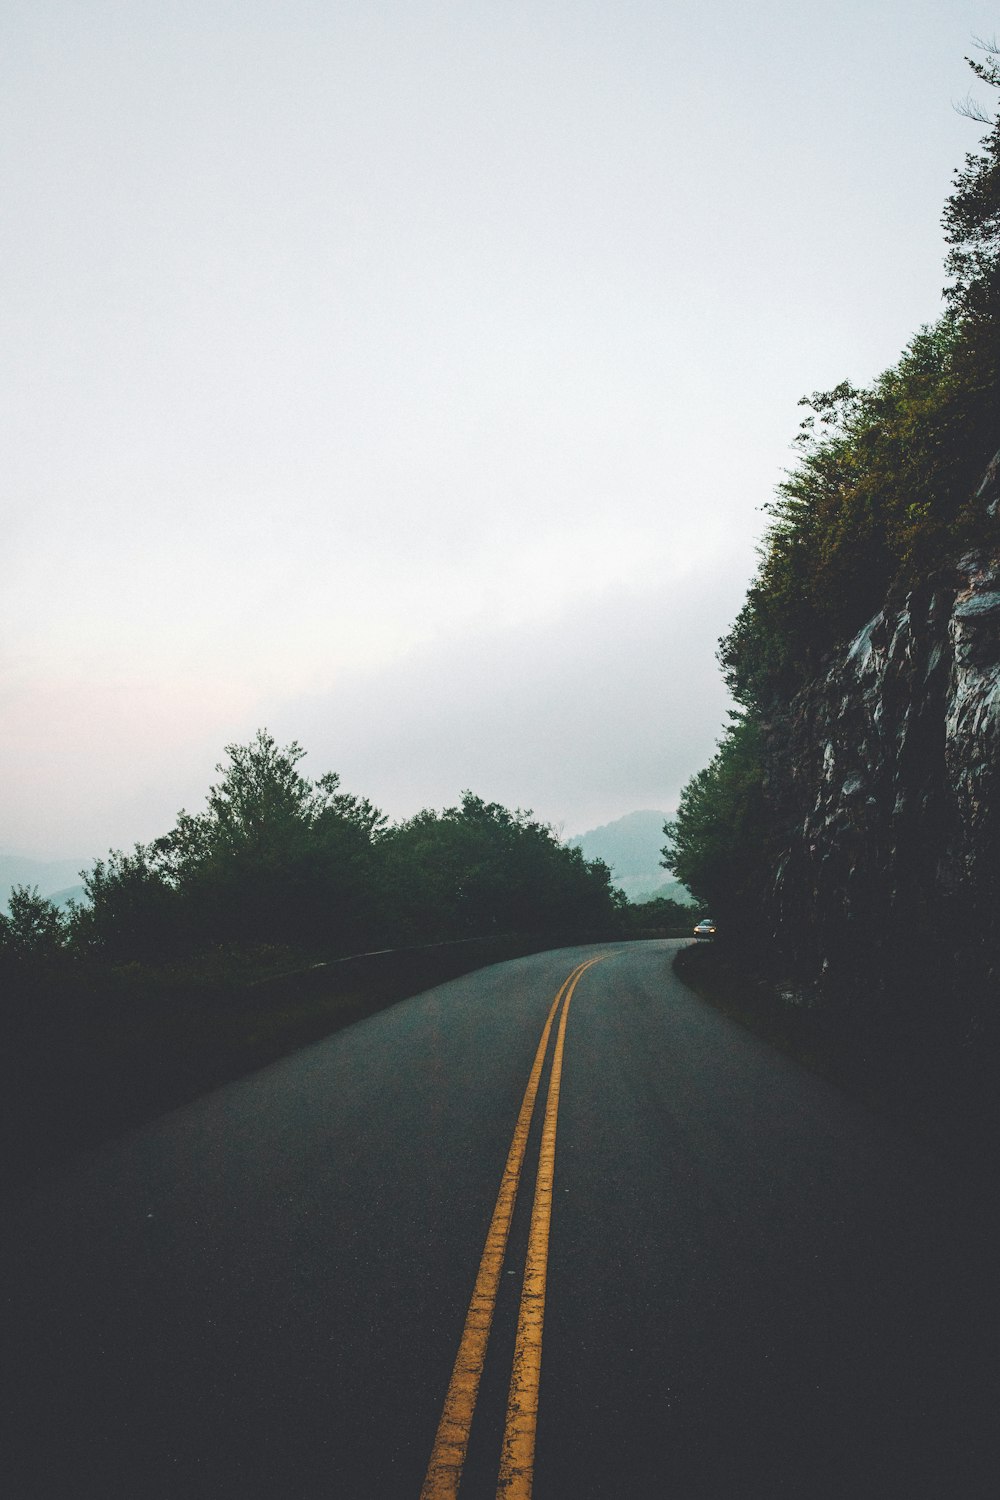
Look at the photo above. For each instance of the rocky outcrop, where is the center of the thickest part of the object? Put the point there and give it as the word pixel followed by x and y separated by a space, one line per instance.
pixel 886 778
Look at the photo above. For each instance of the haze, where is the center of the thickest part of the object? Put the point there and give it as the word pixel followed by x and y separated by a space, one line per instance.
pixel 409 378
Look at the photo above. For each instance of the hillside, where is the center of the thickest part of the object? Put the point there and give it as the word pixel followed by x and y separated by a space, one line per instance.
pixel 631 847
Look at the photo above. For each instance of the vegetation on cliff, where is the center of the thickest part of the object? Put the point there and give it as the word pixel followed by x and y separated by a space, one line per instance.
pixel 884 492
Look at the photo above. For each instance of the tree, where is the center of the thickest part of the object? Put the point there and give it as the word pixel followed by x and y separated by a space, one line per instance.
pixel 719 844
pixel 277 859
pixel 479 868
pixel 133 910
pixel 971 217
pixel 274 858
pixel 34 930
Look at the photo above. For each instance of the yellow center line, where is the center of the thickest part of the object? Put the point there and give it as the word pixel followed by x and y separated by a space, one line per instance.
pixel 517 1458
pixel 444 1472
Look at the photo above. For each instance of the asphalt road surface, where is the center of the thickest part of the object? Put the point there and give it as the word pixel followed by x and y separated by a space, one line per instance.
pixel 682 1268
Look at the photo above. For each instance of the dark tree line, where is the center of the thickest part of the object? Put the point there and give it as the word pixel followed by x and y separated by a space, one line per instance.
pixel 279 861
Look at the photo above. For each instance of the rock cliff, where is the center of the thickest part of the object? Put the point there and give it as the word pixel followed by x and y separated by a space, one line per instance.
pixel 886 779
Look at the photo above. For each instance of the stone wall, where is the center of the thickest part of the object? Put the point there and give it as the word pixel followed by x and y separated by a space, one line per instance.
pixel 886 777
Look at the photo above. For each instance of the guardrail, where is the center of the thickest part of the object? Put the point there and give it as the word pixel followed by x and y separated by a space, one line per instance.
pixel 394 973
pixel 142 1054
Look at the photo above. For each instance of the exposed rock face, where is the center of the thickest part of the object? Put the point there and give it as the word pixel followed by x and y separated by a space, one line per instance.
pixel 888 775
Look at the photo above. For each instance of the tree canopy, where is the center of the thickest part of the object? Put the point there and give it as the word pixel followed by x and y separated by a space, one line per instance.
pixel 718 844
pixel 278 859
pixel 884 487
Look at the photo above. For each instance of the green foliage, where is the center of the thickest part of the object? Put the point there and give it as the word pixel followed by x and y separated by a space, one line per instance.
pixel 883 489
pixel 277 854
pixel 133 910
pixel 661 914
pixel 478 868
pixel 883 493
pixel 274 858
pixel 34 931
pixel 719 843
pixel 280 860
pixel 971 217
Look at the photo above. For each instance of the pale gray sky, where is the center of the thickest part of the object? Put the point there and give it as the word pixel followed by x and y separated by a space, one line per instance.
pixel 408 377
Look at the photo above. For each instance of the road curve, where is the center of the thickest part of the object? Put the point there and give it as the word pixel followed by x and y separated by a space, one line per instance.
pixel 690 1269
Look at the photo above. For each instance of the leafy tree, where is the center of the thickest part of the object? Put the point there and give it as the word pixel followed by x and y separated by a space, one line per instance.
pixel 883 492
pixel 274 858
pixel 719 844
pixel 971 217
pixel 479 868
pixel 278 859
pixel 34 930
pixel 133 909
pixel 662 912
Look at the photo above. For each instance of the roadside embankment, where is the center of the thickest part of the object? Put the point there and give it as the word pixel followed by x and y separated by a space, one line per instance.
pixel 892 1061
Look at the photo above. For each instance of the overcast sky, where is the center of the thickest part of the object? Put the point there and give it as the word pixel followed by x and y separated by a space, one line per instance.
pixel 407 377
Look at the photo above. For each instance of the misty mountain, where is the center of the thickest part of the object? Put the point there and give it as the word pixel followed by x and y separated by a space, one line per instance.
pixel 631 847
pixel 57 878
pixel 77 893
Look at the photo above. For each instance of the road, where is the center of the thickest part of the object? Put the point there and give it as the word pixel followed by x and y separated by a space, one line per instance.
pixel 718 1275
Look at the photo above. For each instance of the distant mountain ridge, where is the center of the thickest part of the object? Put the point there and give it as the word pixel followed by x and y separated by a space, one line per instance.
pixel 631 846
pixel 57 878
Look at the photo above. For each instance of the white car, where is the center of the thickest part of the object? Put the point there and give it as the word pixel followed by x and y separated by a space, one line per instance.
pixel 705 928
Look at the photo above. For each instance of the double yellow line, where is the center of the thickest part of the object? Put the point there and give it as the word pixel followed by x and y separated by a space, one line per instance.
pixel 444 1472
